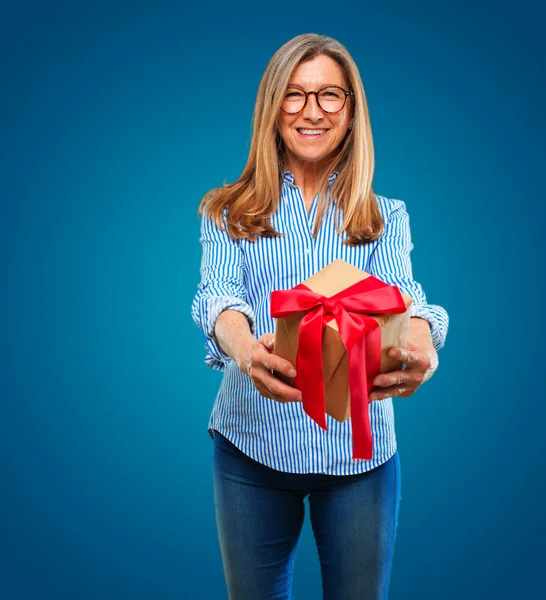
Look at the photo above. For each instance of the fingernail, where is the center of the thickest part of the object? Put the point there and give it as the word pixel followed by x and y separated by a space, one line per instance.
pixel 292 373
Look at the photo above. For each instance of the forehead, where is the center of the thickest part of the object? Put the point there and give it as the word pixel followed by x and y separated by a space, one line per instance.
pixel 321 70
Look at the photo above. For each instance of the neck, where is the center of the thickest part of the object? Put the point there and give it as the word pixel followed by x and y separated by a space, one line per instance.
pixel 307 174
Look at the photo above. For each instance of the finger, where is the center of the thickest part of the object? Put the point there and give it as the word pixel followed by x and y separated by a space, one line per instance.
pixel 391 392
pixel 262 386
pixel 399 377
pixel 279 390
pixel 282 398
pixel 412 358
pixel 267 339
pixel 265 392
pixel 433 366
pixel 272 362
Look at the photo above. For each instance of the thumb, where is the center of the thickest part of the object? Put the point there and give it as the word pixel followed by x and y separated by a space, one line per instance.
pixel 268 339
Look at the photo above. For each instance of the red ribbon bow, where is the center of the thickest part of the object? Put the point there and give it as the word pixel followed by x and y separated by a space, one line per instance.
pixel 361 336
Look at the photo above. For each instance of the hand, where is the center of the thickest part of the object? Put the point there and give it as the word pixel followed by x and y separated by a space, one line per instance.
pixel 421 361
pixel 258 361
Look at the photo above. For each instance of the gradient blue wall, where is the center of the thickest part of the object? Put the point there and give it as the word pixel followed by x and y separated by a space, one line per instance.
pixel 116 119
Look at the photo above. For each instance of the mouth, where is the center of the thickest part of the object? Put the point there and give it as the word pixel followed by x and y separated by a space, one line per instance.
pixel 309 133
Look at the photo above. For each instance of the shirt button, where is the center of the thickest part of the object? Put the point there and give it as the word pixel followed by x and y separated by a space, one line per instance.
pixel 307 251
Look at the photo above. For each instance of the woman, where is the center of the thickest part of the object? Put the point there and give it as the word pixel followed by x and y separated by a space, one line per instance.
pixel 304 199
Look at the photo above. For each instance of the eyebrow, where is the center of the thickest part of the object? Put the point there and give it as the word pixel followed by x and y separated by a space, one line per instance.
pixel 323 85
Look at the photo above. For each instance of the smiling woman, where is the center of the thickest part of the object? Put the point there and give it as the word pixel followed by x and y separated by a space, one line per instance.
pixel 249 204
pixel 304 199
pixel 314 119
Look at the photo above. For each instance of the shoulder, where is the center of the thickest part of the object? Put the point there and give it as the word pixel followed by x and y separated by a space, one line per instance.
pixel 390 208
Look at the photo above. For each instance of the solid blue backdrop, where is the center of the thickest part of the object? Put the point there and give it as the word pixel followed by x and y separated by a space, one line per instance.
pixel 116 119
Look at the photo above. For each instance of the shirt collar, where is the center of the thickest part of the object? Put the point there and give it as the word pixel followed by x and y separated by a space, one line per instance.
pixel 288 177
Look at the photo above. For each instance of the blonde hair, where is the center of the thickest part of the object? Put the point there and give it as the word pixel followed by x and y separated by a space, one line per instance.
pixel 254 197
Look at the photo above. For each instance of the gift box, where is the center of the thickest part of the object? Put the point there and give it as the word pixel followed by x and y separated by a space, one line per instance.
pixel 336 328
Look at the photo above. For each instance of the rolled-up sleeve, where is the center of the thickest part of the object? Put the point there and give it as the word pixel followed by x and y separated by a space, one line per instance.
pixel 221 287
pixel 391 263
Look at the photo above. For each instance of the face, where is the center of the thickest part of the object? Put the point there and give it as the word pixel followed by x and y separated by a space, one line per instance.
pixel 312 135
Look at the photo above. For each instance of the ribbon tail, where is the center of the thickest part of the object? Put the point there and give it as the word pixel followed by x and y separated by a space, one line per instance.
pixel 362 356
pixel 360 418
pixel 310 374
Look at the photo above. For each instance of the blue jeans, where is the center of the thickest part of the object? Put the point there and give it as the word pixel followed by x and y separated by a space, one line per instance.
pixel 260 512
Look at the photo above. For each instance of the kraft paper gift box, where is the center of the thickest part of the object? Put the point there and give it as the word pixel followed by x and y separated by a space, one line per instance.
pixel 371 335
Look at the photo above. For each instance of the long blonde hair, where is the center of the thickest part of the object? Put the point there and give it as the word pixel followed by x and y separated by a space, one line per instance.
pixel 254 197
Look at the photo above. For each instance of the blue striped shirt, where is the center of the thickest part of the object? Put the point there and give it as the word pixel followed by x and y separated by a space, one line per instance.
pixel 240 275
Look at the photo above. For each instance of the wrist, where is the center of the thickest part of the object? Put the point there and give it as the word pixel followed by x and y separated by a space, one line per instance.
pixel 420 322
pixel 232 331
pixel 243 349
pixel 420 333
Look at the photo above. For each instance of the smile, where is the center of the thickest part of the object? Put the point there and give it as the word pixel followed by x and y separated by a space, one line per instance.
pixel 311 133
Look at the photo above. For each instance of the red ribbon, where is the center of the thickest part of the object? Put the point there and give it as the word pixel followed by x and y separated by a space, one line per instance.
pixel 361 336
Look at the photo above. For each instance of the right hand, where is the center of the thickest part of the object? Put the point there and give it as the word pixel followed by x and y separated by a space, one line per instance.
pixel 258 361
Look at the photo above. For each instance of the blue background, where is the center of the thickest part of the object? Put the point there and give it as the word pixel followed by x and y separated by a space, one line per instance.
pixel 116 119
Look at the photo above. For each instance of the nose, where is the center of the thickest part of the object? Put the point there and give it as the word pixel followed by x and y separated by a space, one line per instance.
pixel 312 110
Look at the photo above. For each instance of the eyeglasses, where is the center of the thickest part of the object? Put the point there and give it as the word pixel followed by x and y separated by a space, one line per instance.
pixel 331 99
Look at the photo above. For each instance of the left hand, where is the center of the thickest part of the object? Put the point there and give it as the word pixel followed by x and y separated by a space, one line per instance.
pixel 421 361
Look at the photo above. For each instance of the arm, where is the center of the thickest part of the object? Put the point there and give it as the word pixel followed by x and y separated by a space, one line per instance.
pixel 221 289
pixel 391 262
pixel 228 322
pixel 429 323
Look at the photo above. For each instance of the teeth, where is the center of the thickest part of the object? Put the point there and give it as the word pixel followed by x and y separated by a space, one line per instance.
pixel 311 131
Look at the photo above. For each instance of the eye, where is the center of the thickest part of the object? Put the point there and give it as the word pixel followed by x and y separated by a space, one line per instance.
pixel 331 93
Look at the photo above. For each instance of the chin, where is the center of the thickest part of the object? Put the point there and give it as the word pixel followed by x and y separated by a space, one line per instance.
pixel 311 156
